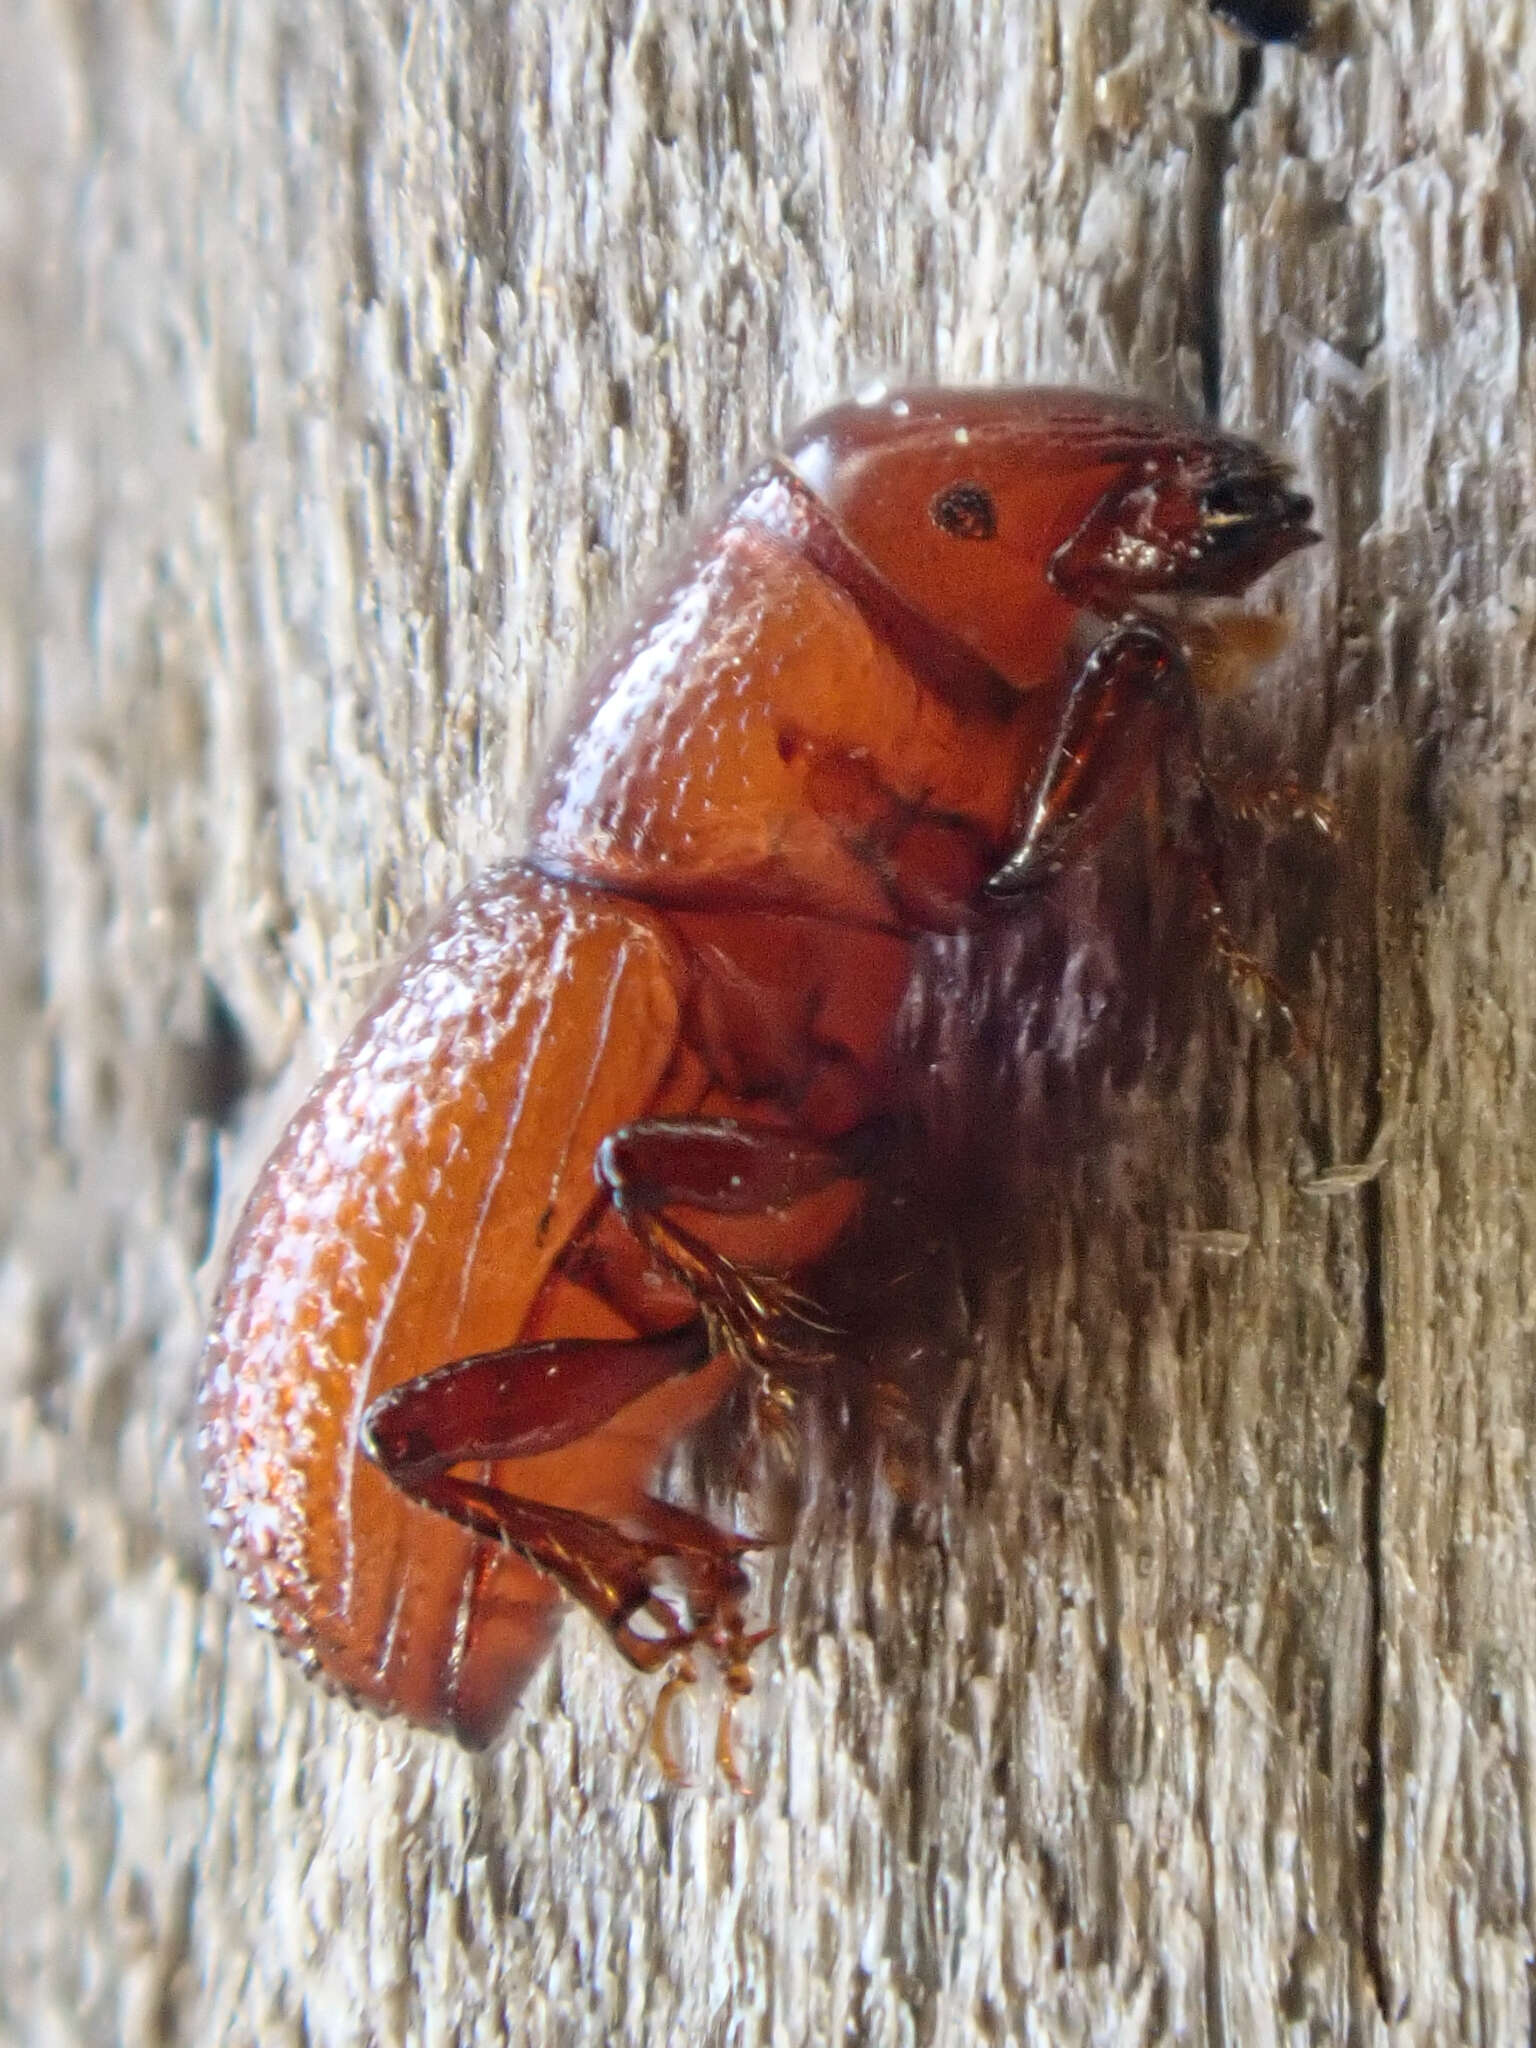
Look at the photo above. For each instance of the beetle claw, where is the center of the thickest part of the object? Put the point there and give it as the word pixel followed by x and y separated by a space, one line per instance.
pixel 682 1676
pixel 732 1647
pixel 725 1749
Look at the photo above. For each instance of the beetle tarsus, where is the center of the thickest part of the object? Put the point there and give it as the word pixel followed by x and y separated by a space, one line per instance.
pixel 1257 992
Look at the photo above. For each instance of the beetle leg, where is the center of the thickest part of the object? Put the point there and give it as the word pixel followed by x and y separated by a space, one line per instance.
pixel 1131 700
pixel 709 1563
pixel 737 1680
pixel 610 1574
pixel 1195 842
pixel 521 1401
pixel 1133 703
pixel 1257 992
pixel 538 1397
pixel 727 1168
pixel 715 1601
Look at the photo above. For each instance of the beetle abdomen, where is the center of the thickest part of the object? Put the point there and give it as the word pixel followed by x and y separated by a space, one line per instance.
pixel 411 1216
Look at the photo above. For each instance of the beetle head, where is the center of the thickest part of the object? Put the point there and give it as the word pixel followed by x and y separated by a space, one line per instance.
pixel 1000 515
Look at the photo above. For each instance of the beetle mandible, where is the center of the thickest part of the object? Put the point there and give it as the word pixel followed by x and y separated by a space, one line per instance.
pixel 564 1183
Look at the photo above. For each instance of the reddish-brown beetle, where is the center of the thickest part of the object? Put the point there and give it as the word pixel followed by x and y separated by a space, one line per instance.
pixel 556 1192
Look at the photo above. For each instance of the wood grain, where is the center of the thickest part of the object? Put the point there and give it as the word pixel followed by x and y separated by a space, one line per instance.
pixel 357 359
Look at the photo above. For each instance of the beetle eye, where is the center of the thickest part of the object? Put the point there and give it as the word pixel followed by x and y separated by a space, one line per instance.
pixel 966 511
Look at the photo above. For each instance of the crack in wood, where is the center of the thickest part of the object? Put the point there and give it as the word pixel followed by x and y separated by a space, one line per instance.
pixel 1211 159
pixel 1371 1781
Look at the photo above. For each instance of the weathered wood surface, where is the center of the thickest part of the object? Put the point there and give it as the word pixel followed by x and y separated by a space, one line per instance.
pixel 356 356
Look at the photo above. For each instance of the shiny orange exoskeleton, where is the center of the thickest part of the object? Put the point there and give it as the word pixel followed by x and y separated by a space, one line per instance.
pixel 565 1183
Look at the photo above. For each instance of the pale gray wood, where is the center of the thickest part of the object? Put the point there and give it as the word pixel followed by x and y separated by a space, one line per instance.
pixel 356 358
